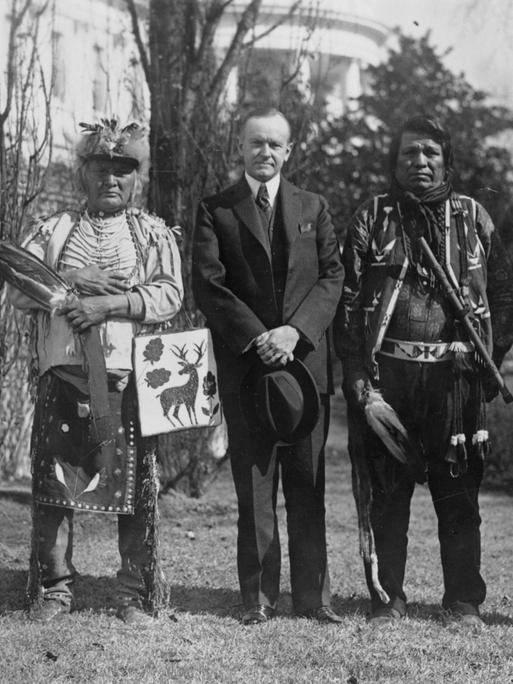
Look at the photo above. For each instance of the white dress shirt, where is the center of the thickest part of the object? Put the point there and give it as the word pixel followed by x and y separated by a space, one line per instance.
pixel 272 185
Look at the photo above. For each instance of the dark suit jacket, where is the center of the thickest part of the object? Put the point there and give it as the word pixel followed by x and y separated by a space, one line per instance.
pixel 233 278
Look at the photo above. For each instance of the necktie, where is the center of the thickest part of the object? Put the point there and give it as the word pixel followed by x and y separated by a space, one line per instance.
pixel 263 202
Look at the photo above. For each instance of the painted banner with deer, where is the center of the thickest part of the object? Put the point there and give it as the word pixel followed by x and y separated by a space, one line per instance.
pixel 176 379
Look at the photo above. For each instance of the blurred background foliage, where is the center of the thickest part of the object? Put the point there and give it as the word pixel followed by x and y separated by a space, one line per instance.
pixel 193 136
pixel 347 157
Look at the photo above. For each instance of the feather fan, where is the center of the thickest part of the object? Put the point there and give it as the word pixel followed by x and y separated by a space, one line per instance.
pixel 387 425
pixel 33 277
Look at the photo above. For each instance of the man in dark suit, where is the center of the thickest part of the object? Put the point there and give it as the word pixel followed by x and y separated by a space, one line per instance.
pixel 267 275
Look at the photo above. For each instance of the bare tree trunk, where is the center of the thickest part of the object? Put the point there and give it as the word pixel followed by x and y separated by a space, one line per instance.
pixel 25 150
pixel 192 140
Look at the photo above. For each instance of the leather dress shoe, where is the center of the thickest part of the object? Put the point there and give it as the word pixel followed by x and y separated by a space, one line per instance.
pixel 385 614
pixel 464 615
pixel 474 622
pixel 257 614
pixel 134 616
pixel 323 614
pixel 48 610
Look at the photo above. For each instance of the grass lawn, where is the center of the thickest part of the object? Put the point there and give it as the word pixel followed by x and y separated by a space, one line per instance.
pixel 199 638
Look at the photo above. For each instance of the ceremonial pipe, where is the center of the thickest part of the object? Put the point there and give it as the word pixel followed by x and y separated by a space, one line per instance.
pixel 462 314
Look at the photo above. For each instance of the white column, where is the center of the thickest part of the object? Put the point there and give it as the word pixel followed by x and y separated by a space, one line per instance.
pixel 353 81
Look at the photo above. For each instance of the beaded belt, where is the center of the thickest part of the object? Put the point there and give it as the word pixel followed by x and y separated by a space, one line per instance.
pixel 424 352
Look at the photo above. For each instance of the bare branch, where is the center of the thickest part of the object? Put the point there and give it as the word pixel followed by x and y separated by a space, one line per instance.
pixel 302 53
pixel 246 22
pixel 216 9
pixel 291 77
pixel 25 149
pixel 16 20
pixel 222 5
pixel 136 29
pixel 194 143
pixel 39 13
pixel 45 143
pixel 274 26
pixel 213 16
pixel 190 16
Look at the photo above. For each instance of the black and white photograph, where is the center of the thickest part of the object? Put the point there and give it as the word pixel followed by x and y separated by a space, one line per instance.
pixel 256 341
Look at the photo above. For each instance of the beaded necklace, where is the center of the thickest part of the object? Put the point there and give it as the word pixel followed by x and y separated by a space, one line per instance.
pixel 103 240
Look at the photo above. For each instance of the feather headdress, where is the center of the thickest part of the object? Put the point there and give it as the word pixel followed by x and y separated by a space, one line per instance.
pixel 109 139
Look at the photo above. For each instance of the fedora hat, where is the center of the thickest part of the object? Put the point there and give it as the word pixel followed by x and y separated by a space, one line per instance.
pixel 281 402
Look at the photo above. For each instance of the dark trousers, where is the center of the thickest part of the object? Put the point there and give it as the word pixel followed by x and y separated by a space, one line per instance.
pixel 422 395
pixel 456 505
pixel 255 463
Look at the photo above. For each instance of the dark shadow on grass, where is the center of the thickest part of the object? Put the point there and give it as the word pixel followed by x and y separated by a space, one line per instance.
pixel 435 613
pixel 96 594
pixel 417 611
pixel 361 605
pixel 490 619
pixel 350 606
pixel 22 495
pixel 12 593
pixel 228 603
pixel 495 618
pixel 214 601
pixel 90 593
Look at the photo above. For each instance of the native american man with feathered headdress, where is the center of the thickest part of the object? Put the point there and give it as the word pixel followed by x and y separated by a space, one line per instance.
pixel 122 266
pixel 411 376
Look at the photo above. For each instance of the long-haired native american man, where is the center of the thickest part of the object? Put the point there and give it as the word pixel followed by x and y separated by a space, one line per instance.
pixel 87 453
pixel 410 366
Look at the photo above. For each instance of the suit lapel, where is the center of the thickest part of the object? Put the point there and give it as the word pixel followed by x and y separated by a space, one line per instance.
pixel 246 210
pixel 291 210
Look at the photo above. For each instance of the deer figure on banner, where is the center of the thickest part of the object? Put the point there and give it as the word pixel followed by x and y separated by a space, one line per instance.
pixel 183 394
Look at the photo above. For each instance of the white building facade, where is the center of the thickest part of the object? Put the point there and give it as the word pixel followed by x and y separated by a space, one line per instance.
pixel 87 50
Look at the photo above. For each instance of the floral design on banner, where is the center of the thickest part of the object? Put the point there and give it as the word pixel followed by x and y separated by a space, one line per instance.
pixel 210 391
pixel 158 377
pixel 176 380
pixel 153 350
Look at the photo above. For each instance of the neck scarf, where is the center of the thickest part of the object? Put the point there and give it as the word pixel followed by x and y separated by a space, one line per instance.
pixel 423 216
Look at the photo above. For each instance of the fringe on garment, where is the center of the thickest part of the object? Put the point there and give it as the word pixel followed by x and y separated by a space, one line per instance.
pixel 147 486
pixel 362 492
pixel 34 592
pixel 457 453
pixel 157 586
